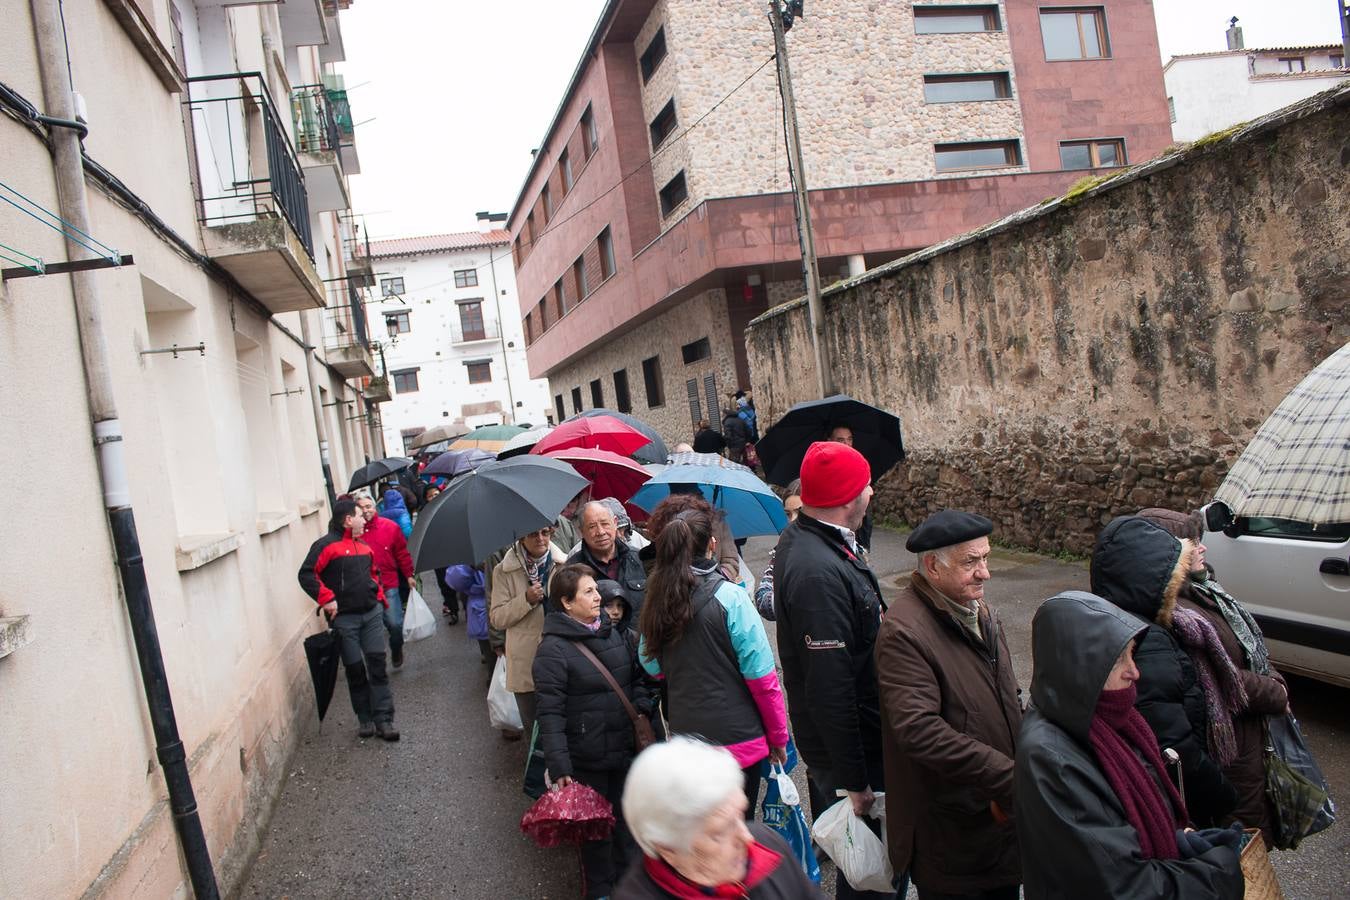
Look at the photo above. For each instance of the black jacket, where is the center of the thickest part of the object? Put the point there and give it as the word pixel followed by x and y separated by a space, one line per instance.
pixel 341 568
pixel 828 607
pixel 1076 841
pixel 1141 568
pixel 582 723
pixel 735 431
pixel 632 576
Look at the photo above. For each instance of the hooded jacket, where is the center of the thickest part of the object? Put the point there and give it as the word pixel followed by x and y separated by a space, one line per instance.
pixel 396 508
pixel 1075 839
pixel 582 723
pixel 390 547
pixel 1141 568
pixel 631 575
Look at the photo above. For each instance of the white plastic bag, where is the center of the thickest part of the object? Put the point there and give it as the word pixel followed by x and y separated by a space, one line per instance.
pixel 745 578
pixel 418 622
pixel 787 789
pixel 859 854
pixel 502 710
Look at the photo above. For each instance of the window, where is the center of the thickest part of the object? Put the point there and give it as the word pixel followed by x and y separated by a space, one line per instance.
pixel 466 278
pixel 546 199
pixel 673 194
pixel 579 278
pixel 529 328
pixel 955 19
pixel 397 323
pixel 391 287
pixel 471 320
pixel 1338 60
pixel 565 167
pixel 651 380
pixel 957 88
pixel 409 435
pixel 1172 110
pixel 590 138
pixel 652 56
pixel 1074 33
pixel 699 349
pixel 1293 63
pixel 480 370
pixel 529 231
pixel 405 381
pixel 597 394
pixel 622 402
pixel 1091 154
pixel 606 246
pixel 576 400
pixel 664 123
pixel 558 407
pixel 559 299
pixel 986 155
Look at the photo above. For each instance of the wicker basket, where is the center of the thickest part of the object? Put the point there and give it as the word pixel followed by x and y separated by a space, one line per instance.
pixel 1262 883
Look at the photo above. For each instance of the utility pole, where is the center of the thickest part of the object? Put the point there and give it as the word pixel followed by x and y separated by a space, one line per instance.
pixel 782 13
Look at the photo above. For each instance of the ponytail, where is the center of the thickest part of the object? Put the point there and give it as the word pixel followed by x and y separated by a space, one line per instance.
pixel 681 528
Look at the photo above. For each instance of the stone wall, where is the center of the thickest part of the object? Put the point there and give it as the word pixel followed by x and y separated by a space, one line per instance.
pixel 1106 351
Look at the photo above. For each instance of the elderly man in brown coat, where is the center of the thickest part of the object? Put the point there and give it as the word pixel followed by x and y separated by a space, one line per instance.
pixel 950 714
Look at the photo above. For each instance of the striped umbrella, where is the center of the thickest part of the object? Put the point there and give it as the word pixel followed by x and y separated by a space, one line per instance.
pixel 1297 466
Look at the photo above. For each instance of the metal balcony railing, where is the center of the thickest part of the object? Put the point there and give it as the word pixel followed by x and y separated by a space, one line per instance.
pixel 316 129
pixel 247 166
pixel 346 326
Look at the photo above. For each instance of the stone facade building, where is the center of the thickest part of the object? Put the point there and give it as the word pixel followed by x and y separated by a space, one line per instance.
pixel 218 149
pixel 656 220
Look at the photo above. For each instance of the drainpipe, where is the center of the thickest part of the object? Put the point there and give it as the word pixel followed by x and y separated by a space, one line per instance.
pixel 68 169
pixel 311 368
pixel 501 334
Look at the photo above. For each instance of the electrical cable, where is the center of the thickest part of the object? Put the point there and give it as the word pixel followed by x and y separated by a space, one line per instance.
pixel 65 229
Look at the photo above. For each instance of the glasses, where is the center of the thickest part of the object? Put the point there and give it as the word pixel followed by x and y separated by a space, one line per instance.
pixel 542 532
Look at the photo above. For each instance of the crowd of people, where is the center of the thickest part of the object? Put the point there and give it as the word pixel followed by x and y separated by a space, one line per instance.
pixel 613 636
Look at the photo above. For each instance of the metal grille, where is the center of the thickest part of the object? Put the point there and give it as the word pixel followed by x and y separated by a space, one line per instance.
pixel 710 397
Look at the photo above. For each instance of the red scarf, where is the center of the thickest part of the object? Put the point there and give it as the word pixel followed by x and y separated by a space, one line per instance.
pixel 1120 736
pixel 759 864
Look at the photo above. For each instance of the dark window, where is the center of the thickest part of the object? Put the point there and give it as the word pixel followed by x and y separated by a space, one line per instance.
pixel 673 194
pixel 664 123
pixel 576 400
pixel 622 402
pixel 471 320
pixel 651 380
pixel 1091 154
pixel 466 278
pixel 955 19
pixel 590 138
pixel 579 277
pixel 1338 60
pixel 1261 526
pixel 409 435
pixel 405 381
pixel 529 328
pixel 546 197
pixel 1074 33
pixel 1293 64
pixel 652 56
pixel 597 394
pixel 480 370
pixel 558 407
pixel 398 323
pixel 696 350
pixel 565 167
pixel 986 155
pixel 529 232
pixel 956 88
pixel 391 287
pixel 606 246
pixel 1172 109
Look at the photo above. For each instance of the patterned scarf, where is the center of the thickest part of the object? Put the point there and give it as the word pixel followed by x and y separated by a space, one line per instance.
pixel 1245 629
pixel 1120 738
pixel 1224 695
pixel 536 570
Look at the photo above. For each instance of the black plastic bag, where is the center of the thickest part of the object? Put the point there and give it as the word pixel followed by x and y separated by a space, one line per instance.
pixel 1295 785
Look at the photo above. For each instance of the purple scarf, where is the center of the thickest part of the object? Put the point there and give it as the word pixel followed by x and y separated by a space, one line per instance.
pixel 1219 681
pixel 1120 736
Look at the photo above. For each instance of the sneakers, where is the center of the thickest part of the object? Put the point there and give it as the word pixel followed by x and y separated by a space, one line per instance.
pixel 397 656
pixel 366 730
pixel 387 731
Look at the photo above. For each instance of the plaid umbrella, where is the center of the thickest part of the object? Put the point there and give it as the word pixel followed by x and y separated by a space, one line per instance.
pixel 1297 466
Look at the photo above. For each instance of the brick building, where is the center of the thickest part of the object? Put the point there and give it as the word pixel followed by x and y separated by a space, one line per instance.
pixel 656 219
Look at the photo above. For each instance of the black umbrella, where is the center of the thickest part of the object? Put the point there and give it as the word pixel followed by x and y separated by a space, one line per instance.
pixel 491 508
pixel 323 651
pixel 655 452
pixel 876 435
pixel 457 462
pixel 372 472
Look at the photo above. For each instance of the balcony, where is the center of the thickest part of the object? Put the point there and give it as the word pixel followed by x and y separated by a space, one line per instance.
pixel 342 114
pixel 319 143
pixel 462 333
pixel 377 390
pixel 302 23
pixel 252 201
pixel 346 342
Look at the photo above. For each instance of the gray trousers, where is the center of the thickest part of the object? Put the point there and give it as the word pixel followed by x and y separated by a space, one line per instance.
pixel 363 641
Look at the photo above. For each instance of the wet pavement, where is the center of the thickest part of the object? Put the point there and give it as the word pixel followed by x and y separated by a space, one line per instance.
pixel 437 814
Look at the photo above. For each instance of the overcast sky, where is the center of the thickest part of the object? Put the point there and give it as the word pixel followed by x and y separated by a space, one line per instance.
pixel 450 96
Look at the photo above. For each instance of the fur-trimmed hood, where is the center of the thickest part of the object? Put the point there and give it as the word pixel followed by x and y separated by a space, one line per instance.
pixel 1140 568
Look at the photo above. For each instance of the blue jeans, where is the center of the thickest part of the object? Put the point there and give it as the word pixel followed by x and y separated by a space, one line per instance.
pixel 393 617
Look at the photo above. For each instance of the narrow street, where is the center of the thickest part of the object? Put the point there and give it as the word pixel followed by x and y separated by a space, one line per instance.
pixel 437 814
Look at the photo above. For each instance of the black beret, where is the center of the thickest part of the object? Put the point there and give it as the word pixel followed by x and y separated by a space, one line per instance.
pixel 947 528
pixel 609 589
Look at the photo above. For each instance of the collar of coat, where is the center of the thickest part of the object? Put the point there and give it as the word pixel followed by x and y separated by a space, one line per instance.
pixel 760 863
pixel 832 535
pixel 937 603
pixel 515 558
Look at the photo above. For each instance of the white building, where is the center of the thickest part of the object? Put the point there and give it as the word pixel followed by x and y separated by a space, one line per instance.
pixel 1208 92
pixel 455 352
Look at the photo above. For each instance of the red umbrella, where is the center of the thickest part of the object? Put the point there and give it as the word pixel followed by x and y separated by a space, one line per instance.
pixel 610 474
pixel 594 432
pixel 570 815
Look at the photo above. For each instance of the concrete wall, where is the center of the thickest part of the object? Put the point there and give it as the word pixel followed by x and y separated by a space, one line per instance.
pixel 1102 353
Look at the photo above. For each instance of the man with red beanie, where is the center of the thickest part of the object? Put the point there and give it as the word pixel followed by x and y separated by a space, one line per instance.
pixel 828 607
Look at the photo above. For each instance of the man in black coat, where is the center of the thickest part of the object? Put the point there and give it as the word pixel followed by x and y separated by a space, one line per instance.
pixel 607 556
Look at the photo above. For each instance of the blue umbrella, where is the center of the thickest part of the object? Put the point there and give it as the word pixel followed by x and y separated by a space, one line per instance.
pixel 750 505
pixel 457 462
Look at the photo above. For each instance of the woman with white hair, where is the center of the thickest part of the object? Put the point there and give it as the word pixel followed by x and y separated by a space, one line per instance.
pixel 685 808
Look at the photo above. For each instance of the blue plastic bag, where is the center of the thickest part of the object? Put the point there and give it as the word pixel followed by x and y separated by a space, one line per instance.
pixel 788 821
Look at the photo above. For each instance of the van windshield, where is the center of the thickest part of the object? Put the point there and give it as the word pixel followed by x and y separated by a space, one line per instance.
pixel 1263 526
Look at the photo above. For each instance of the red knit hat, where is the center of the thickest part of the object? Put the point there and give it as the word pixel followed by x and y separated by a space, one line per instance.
pixel 833 474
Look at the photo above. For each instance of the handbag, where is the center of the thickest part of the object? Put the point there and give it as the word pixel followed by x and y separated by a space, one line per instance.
pixel 1295 785
pixel 1257 873
pixel 643 735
